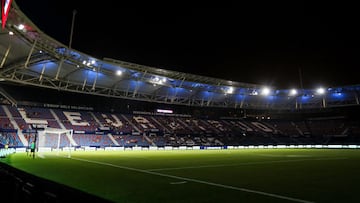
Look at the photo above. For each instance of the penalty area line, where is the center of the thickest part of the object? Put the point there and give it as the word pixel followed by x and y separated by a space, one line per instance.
pixel 197 181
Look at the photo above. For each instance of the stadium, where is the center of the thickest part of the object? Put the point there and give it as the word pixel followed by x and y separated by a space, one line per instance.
pixel 113 131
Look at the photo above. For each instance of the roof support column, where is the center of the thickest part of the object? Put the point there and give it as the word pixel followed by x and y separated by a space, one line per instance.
pixel 59 68
pixel 242 101
pixel 176 89
pixel 138 84
pixel 42 72
pixel 96 76
pixel 5 56
pixel 83 86
pixel 30 53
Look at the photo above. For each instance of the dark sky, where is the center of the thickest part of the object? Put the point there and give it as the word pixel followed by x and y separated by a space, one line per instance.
pixel 260 42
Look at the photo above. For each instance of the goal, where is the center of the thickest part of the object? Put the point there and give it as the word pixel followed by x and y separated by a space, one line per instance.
pixel 51 139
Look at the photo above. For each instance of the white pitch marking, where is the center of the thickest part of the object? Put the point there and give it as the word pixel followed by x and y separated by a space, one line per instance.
pixel 242 164
pixel 197 181
pixel 178 183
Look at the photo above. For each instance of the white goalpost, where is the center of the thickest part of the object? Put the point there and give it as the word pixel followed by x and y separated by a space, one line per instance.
pixel 57 139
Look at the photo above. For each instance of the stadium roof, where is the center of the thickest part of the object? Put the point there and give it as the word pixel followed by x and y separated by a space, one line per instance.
pixel 30 57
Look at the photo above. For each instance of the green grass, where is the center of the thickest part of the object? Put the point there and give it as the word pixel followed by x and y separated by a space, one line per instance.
pixel 249 175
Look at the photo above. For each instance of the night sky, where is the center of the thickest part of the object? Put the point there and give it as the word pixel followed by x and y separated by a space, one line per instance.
pixel 260 42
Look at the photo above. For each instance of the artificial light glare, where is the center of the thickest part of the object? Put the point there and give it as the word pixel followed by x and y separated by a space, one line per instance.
pixel 118 72
pixel 293 92
pixel 320 90
pixel 265 91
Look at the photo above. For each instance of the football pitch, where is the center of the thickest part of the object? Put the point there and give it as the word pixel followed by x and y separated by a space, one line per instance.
pixel 242 175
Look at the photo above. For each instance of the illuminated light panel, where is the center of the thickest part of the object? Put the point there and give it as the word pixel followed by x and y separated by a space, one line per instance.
pixel 320 90
pixel 21 27
pixel 164 111
pixel 265 91
pixel 118 72
pixel 230 90
pixel 293 92
pixel 254 92
pixel 158 80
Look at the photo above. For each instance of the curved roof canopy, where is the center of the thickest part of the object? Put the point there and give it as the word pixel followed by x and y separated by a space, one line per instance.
pixel 29 56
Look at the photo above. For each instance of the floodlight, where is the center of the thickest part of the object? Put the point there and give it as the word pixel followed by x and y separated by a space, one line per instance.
pixel 21 27
pixel 254 92
pixel 265 91
pixel 118 72
pixel 320 90
pixel 293 92
pixel 157 80
pixel 230 90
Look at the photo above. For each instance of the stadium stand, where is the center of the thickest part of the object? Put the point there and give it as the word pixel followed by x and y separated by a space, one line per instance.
pixel 102 129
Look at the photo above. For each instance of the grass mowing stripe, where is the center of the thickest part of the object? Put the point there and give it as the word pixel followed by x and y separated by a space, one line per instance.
pixel 243 164
pixel 196 181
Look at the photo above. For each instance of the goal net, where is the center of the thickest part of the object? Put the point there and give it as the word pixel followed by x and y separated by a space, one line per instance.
pixel 51 139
